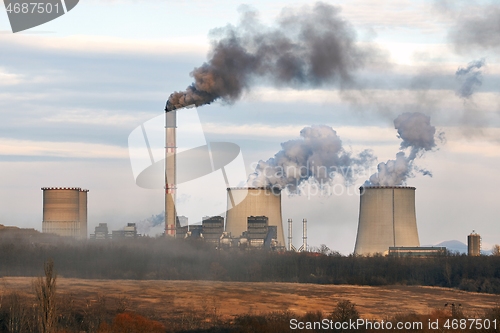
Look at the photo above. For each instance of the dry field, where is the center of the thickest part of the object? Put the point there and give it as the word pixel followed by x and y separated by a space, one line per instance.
pixel 166 298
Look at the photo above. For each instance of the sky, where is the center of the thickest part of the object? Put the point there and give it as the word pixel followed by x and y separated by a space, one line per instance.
pixel 72 91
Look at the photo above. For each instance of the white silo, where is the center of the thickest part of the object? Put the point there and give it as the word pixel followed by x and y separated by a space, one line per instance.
pixel 254 201
pixel 386 218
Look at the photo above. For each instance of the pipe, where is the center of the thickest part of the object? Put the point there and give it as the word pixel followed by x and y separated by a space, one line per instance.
pixel 304 235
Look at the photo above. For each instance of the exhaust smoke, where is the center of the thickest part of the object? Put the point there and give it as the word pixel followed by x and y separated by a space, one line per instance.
pixel 310 46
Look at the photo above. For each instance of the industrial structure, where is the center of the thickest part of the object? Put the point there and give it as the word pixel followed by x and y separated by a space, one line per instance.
pixel 101 232
pixel 254 201
pixel 212 228
pixel 65 211
pixel 170 171
pixel 386 219
pixel 130 231
pixel 474 244
pixel 417 251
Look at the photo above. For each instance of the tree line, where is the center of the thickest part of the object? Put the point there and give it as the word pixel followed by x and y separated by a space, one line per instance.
pixel 174 259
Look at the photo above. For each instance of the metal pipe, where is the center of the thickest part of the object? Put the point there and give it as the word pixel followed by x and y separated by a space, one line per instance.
pixel 290 234
pixel 304 235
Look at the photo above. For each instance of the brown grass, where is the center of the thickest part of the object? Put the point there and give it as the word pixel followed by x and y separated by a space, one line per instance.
pixel 173 298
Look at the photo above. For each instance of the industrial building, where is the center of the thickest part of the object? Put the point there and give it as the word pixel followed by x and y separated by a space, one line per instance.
pixel 257 228
pixel 386 219
pixel 212 229
pixel 65 211
pixel 474 244
pixel 254 201
pixel 181 226
pixel 130 231
pixel 417 251
pixel 101 232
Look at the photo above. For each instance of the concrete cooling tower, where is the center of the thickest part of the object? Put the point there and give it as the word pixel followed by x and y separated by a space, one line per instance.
pixel 386 218
pixel 254 201
pixel 65 211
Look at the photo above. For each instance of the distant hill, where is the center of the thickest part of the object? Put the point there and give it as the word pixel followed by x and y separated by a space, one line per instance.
pixel 458 246
pixel 454 246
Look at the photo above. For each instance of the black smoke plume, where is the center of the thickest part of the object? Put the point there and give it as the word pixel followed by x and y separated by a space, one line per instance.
pixel 419 136
pixel 479 28
pixel 311 46
pixel 470 78
pixel 317 155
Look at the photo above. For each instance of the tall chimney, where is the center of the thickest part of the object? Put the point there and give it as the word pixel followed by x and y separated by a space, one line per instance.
pixel 170 172
pixel 290 234
pixel 304 235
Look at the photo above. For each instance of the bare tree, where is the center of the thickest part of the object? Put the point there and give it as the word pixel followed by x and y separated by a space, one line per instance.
pixel 495 251
pixel 45 293
pixel 16 322
pixel 94 314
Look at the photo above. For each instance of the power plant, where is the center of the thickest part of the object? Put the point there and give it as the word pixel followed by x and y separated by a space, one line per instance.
pixel 65 211
pixel 254 201
pixel 386 219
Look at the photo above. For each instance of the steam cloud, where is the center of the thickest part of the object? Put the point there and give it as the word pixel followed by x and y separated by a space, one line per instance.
pixel 317 155
pixel 470 77
pixel 153 225
pixel 419 136
pixel 310 47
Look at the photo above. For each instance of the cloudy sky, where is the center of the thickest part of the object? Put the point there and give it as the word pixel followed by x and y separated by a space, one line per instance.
pixel 72 90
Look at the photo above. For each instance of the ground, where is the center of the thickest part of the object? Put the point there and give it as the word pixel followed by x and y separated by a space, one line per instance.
pixel 165 298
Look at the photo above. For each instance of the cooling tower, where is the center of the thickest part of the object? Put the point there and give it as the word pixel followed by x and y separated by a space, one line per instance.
pixel 259 201
pixel 65 211
pixel 386 218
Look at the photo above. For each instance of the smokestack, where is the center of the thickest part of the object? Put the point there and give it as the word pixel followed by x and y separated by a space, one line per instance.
pixel 386 218
pixel 170 171
pixel 290 234
pixel 304 235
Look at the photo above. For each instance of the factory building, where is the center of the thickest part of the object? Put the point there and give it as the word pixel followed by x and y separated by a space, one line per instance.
pixel 256 202
pixel 474 244
pixel 417 251
pixel 130 231
pixel 65 211
pixel 101 232
pixel 386 219
pixel 181 226
pixel 257 228
pixel 212 229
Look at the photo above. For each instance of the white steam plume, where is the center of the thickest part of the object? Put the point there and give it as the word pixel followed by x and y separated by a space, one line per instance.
pixel 318 155
pixel 419 136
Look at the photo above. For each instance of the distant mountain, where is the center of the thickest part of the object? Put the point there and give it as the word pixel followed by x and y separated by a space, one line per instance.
pixel 458 246
pixel 454 246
